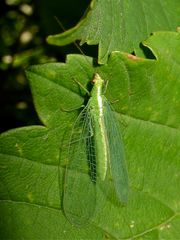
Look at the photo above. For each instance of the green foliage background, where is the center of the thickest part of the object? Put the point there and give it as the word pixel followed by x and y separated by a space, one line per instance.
pixel 147 88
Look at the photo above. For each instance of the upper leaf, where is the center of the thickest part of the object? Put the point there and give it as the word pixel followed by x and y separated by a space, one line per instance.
pixel 120 25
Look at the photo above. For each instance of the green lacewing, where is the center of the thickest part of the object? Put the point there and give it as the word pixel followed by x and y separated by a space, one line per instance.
pixel 95 153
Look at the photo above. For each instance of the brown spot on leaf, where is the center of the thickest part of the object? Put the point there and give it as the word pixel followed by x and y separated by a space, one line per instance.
pixel 132 57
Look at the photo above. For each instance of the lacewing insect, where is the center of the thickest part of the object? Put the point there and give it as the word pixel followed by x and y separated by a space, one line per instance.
pixel 95 152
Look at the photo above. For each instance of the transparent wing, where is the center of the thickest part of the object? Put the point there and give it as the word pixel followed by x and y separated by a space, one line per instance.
pixel 79 200
pixel 116 153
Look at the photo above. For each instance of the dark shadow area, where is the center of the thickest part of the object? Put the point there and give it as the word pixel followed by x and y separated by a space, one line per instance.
pixel 25 25
pixel 147 52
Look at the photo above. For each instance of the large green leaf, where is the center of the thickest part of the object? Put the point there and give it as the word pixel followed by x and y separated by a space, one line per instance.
pixel 121 25
pixel 149 98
